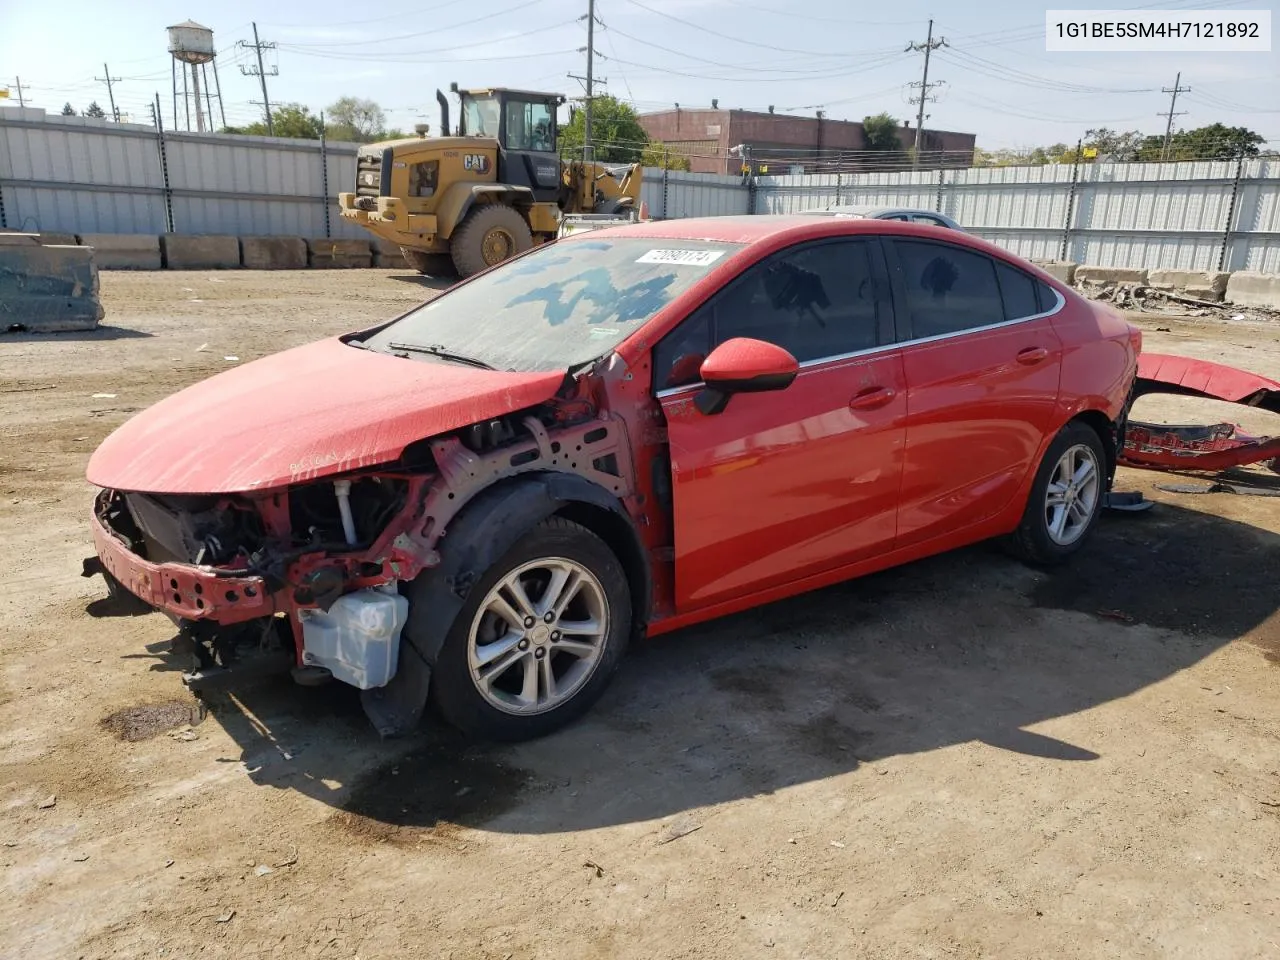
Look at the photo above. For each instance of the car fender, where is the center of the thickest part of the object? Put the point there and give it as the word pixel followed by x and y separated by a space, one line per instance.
pixel 484 529
pixel 488 526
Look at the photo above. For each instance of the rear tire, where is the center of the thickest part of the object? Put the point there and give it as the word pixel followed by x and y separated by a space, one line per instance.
pixel 613 206
pixel 490 234
pixel 430 264
pixel 1066 498
pixel 501 676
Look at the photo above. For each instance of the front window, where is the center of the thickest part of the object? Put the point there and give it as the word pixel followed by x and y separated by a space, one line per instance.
pixel 530 126
pixel 558 307
pixel 480 116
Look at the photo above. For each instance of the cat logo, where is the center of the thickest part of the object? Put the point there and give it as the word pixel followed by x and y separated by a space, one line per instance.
pixel 476 162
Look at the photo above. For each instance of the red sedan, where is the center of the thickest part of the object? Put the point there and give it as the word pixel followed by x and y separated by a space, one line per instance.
pixel 484 500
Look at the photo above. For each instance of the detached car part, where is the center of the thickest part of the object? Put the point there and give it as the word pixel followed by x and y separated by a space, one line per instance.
pixel 1216 446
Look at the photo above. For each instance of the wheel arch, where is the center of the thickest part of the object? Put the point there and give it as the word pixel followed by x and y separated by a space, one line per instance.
pixel 491 523
pixel 459 198
pixel 1107 430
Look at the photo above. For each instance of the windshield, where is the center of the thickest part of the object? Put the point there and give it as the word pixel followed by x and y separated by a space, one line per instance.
pixel 480 116
pixel 558 307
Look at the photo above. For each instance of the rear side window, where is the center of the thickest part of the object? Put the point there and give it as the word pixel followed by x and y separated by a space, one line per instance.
pixel 1046 295
pixel 1018 291
pixel 948 289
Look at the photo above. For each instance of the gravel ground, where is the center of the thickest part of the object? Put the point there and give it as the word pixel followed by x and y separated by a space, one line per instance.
pixel 958 758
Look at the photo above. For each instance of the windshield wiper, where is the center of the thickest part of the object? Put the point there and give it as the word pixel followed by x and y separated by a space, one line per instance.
pixel 438 350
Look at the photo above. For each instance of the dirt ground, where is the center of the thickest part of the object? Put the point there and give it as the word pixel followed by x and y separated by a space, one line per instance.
pixel 961 758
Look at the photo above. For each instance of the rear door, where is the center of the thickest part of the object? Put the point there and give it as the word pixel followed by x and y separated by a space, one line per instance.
pixel 787 484
pixel 983 365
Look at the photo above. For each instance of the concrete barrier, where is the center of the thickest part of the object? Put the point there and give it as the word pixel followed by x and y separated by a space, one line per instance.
pixel 328 252
pixel 48 289
pixel 388 255
pixel 1063 270
pixel 123 251
pixel 1254 289
pixel 45 238
pixel 273 253
pixel 200 252
pixel 1201 284
pixel 1110 275
pixel 20 239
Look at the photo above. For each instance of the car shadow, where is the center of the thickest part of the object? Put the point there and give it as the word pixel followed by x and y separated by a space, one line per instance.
pixel 17 333
pixel 968 646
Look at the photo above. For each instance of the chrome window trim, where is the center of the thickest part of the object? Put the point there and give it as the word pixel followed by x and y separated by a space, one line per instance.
pixel 872 351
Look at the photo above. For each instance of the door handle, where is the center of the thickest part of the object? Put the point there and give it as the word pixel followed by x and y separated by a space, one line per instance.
pixel 872 398
pixel 1032 355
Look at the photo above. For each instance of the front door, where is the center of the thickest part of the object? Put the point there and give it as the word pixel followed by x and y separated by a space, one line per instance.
pixel 779 486
pixel 983 365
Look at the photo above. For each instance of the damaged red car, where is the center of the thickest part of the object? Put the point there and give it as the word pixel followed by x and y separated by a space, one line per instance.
pixel 481 502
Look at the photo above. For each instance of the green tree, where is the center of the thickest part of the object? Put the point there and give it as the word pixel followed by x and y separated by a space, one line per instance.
pixel 1214 142
pixel 356 119
pixel 881 132
pixel 1112 144
pixel 293 120
pixel 68 110
pixel 616 132
pixel 93 110
pixel 658 154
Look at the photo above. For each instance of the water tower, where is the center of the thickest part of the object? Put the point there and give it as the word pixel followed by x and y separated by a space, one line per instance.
pixel 192 45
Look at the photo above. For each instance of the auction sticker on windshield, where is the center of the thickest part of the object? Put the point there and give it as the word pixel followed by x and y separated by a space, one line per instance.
pixel 685 258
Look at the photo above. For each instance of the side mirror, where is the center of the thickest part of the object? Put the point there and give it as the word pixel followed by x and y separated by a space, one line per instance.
pixel 743 365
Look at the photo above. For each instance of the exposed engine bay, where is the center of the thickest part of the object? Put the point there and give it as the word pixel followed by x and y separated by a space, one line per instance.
pixel 307 578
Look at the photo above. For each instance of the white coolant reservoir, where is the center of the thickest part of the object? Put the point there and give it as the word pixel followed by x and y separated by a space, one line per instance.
pixel 358 638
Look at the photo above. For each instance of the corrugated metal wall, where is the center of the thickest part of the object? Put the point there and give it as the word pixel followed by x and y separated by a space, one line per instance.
pixel 1148 215
pixel 79 175
pixel 672 194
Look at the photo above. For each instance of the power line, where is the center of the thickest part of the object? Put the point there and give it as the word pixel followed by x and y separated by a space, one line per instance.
pixel 925 86
pixel 258 46
pixel 1176 89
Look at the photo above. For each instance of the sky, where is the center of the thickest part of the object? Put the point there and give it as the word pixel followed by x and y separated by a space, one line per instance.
pixel 846 57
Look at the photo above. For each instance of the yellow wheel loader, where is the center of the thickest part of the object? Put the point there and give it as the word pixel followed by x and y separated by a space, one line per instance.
pixel 463 203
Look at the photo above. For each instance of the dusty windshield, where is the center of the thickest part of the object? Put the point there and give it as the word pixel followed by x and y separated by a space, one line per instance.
pixel 480 117
pixel 558 307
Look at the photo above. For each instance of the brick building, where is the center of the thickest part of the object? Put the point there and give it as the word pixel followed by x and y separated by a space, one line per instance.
pixel 706 137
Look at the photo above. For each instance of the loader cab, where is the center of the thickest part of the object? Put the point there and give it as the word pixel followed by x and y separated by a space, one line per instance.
pixel 524 124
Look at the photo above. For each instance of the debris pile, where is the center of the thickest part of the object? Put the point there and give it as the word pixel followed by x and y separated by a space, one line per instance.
pixel 1144 298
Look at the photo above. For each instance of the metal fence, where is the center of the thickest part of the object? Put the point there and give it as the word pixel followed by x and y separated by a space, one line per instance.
pixel 80 175
pixel 1190 215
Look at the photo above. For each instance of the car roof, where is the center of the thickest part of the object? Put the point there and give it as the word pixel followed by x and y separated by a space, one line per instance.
pixel 756 228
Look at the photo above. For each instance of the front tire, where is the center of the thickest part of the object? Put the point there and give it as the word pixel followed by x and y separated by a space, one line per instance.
pixel 430 264
pixel 1066 498
pixel 490 234
pixel 538 638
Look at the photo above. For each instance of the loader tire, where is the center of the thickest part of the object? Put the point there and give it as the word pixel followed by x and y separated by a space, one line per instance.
pixel 429 264
pixel 490 234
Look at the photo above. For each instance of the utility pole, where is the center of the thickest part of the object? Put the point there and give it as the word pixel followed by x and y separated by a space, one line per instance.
pixel 925 86
pixel 261 73
pixel 111 96
pixel 222 109
pixel 17 83
pixel 1176 89
pixel 588 149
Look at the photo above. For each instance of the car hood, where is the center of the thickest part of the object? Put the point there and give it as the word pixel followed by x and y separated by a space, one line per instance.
pixel 306 413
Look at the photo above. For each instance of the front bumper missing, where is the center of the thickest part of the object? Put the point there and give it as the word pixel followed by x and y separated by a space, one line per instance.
pixel 182 590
